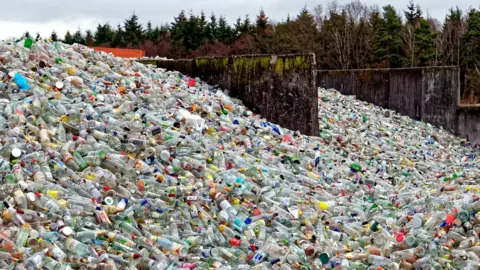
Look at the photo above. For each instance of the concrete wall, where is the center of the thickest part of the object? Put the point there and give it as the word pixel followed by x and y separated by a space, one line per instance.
pixel 281 88
pixel 428 94
pixel 405 91
pixel 468 122
pixel 439 100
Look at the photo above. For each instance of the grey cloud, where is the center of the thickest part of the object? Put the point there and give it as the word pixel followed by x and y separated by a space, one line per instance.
pixel 115 11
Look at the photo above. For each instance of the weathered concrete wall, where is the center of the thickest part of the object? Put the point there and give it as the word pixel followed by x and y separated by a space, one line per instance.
pixel 214 70
pixel 396 89
pixel 281 88
pixel 468 122
pixel 405 91
pixel 427 94
pixel 369 85
pixel 186 65
pixel 441 87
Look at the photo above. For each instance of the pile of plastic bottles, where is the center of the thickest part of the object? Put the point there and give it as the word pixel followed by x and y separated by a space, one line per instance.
pixel 109 164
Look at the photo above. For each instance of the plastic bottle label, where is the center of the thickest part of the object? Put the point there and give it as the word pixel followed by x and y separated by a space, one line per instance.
pixel 225 204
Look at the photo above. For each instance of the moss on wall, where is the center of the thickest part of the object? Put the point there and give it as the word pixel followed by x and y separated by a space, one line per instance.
pixel 280 88
pixel 292 63
pixel 149 62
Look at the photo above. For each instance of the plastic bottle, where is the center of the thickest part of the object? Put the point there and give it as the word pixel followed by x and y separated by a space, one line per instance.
pixel 110 164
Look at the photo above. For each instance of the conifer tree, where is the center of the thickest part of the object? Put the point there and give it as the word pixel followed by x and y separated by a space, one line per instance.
pixel 133 31
pixel 78 37
pixel 54 36
pixel 389 42
pixel 68 38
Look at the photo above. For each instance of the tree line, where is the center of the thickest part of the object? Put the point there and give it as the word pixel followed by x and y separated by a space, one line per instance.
pixel 353 35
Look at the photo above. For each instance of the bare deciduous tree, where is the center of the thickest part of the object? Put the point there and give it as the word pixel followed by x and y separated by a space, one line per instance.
pixel 409 40
pixel 318 15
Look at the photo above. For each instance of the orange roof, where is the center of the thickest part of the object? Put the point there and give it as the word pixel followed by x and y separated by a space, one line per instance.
pixel 125 53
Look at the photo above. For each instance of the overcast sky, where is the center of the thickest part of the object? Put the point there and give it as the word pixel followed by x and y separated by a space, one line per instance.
pixel 43 16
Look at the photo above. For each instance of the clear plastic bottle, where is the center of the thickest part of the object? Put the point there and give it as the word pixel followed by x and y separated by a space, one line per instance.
pixel 76 247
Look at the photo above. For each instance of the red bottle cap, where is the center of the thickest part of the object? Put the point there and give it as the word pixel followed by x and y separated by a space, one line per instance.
pixel 399 238
pixel 235 242
pixel 257 212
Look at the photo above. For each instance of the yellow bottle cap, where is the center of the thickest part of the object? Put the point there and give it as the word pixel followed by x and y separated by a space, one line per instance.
pixel 323 205
pixel 62 203
pixel 221 228
pixel 53 193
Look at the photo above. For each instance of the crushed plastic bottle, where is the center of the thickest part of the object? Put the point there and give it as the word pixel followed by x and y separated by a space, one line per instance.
pixel 110 164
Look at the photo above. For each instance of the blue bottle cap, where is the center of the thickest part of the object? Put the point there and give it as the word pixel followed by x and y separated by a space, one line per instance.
pixel 274 261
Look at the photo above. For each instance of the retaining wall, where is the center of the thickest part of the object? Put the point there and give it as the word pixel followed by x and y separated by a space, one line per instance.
pixel 281 88
pixel 468 122
pixel 428 94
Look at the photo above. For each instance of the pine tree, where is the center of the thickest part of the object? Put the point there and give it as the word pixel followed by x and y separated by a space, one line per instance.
pixel 452 31
pixel 425 43
pixel 89 38
pixel 193 32
pixel 103 34
pixel 374 22
pixel 188 34
pixel 78 37
pixel 247 26
pixel 161 32
pixel 305 31
pixel 225 32
pixel 54 36
pixel 470 57
pixel 389 42
pixel 155 33
pixel 211 28
pixel 133 31
pixel 285 38
pixel 118 39
pixel 177 28
pixel 262 21
pixel 413 13
pixel 304 13
pixel 149 31
pixel 264 34
pixel 237 27
pixel 243 26
pixel 164 31
pixel 471 41
pixel 68 38
pixel 109 32
pixel 202 28
pixel 413 16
